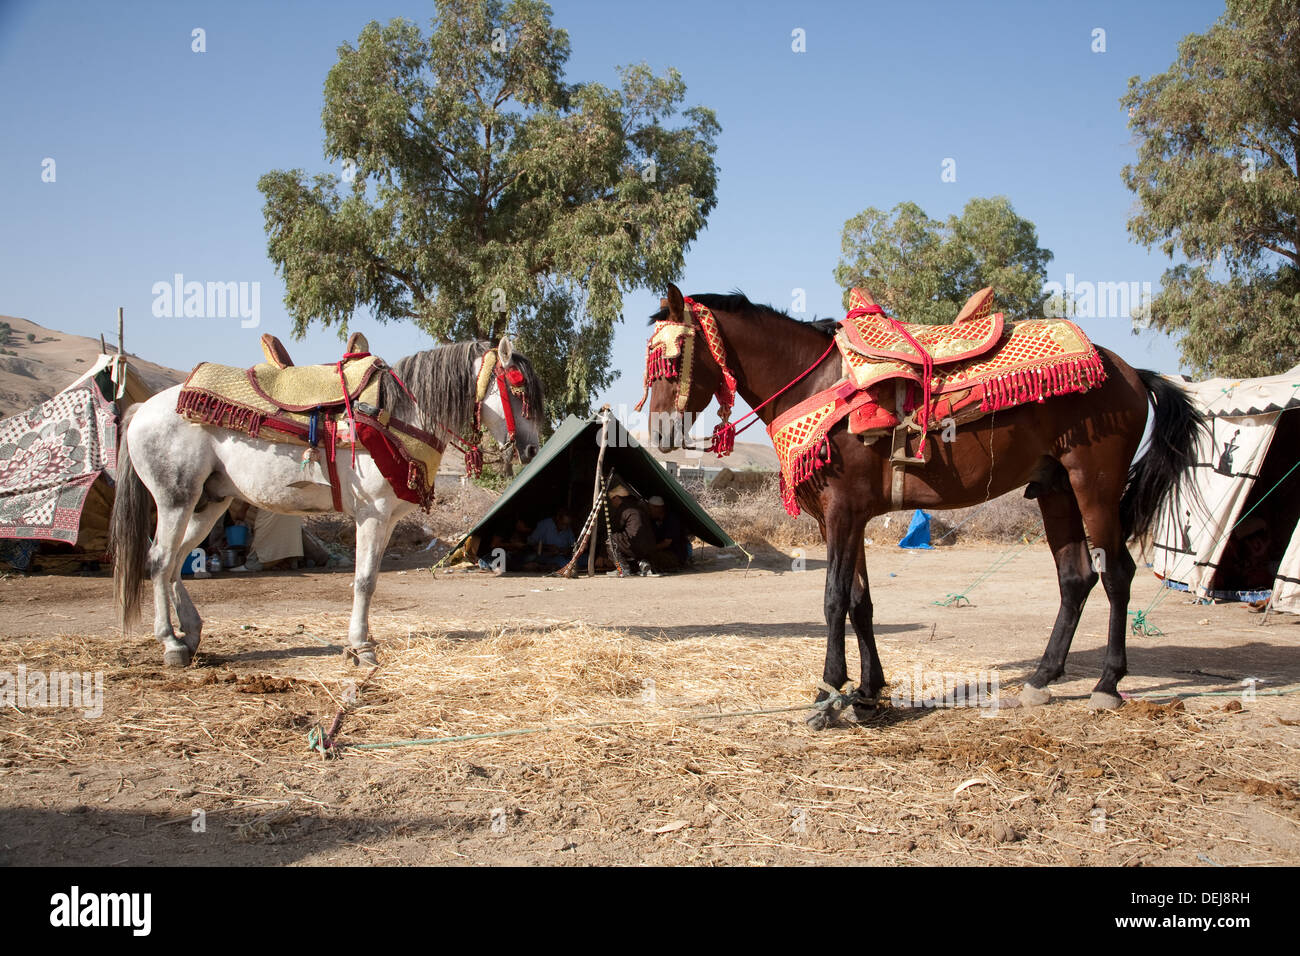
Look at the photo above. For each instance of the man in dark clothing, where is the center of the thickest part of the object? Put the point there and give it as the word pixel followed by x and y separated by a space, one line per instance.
pixel 672 547
pixel 631 533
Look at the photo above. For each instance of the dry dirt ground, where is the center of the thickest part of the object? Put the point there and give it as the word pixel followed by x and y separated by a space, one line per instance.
pixel 637 768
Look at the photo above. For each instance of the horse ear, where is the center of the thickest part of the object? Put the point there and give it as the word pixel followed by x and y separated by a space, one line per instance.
pixel 676 304
pixel 505 351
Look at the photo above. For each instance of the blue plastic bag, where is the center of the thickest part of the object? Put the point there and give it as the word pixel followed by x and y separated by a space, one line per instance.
pixel 918 532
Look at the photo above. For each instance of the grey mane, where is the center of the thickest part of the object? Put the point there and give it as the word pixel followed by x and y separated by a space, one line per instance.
pixel 443 383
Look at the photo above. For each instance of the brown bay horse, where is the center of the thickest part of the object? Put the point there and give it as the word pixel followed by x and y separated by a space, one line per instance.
pixel 1075 452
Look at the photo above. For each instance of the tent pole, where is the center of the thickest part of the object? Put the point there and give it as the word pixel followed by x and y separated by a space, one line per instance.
pixel 595 491
pixel 119 330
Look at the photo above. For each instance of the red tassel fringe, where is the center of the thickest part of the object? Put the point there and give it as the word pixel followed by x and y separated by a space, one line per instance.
pixel 658 365
pixel 1040 384
pixel 724 440
pixel 209 409
pixel 806 464
pixel 473 461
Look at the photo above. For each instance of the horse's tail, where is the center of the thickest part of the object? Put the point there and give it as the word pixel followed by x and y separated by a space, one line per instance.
pixel 128 534
pixel 1170 455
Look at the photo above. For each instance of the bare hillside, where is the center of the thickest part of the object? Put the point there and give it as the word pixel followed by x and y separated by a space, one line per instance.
pixel 50 361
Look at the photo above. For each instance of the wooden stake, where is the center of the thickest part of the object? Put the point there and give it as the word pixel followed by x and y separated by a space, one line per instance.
pixel 595 492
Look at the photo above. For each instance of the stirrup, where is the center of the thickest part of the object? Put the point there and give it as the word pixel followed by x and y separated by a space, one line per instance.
pixel 898 453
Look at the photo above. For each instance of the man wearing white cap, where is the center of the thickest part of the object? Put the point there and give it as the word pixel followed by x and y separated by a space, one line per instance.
pixel 631 535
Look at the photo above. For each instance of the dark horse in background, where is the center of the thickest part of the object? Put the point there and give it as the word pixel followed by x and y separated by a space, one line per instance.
pixel 1075 452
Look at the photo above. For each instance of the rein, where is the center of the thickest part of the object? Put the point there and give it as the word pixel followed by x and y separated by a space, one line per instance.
pixel 659 366
pixel 727 438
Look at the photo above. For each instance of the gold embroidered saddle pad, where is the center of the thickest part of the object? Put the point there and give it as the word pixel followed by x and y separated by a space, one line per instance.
pixel 244 399
pixel 1050 350
pixel 303 387
pixel 279 404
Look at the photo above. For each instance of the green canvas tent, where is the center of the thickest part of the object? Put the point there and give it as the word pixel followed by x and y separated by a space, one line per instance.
pixel 564 472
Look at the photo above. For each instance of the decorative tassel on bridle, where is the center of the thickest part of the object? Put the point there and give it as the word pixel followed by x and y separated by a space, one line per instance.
pixel 510 381
pixel 473 460
pixel 723 442
pixel 659 366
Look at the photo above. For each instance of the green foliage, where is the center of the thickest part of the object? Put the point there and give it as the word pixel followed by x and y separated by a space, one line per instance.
pixel 492 478
pixel 1217 181
pixel 490 194
pixel 923 270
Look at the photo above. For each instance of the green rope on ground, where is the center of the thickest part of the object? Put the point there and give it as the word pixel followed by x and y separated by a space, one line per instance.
pixel 1142 628
pixel 956 599
pixel 1186 695
pixel 840 699
pixel 837 700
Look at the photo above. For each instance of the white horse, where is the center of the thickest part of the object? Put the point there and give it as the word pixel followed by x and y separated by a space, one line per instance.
pixel 193 472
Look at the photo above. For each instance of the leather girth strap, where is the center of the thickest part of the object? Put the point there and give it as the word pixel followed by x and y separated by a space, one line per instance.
pixel 331 467
pixel 897 457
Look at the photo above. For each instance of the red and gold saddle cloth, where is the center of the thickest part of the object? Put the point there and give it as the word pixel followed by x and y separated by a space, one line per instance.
pixel 978 365
pixel 320 407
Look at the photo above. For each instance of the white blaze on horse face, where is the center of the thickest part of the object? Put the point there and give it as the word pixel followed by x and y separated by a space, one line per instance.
pixel 527 434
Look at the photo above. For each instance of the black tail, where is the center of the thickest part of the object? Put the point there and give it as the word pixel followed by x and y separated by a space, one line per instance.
pixel 1170 456
pixel 128 535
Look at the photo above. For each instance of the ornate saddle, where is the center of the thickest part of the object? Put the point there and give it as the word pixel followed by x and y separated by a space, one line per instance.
pixel 917 378
pixel 869 333
pixel 277 355
pixel 318 406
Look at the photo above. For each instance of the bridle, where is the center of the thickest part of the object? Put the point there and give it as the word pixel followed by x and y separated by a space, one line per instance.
pixel 509 381
pixel 669 356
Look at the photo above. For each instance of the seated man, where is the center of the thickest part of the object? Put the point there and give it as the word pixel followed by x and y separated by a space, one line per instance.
pixel 631 535
pixel 515 546
pixel 672 545
pixel 553 540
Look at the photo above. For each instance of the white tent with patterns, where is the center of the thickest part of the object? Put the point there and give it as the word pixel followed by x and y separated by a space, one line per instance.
pixel 1232 533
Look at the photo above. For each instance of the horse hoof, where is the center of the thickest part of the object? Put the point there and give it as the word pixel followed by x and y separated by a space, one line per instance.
pixel 363 658
pixel 1100 700
pixel 864 706
pixel 819 720
pixel 1031 696
pixel 177 658
pixel 863 712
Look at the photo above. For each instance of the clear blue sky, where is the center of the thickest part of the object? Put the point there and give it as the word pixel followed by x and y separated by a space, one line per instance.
pixel 159 149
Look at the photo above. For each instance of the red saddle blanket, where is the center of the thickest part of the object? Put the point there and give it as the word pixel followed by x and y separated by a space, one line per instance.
pixel 973 374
